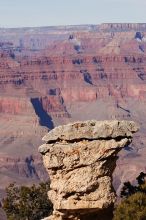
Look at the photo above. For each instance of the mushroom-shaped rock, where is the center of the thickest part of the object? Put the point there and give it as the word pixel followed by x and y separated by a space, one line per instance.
pixel 80 159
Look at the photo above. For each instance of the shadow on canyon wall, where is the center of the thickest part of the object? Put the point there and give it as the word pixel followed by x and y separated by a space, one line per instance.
pixel 44 118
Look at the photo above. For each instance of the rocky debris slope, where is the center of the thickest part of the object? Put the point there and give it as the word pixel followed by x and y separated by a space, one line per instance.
pixel 80 159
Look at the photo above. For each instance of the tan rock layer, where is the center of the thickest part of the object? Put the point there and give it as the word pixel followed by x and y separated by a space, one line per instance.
pixel 91 130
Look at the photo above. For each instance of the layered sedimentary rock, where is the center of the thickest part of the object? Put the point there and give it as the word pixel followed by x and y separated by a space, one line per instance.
pixel 55 75
pixel 80 159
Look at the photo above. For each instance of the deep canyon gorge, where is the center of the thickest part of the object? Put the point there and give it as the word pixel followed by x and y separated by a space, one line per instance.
pixel 51 76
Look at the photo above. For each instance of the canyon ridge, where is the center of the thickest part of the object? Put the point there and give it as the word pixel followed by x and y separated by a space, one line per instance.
pixel 51 76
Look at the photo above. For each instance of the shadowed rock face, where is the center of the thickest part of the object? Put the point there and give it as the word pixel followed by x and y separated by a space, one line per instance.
pixel 45 119
pixel 80 159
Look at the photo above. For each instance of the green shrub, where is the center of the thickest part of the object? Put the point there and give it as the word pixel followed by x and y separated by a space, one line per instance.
pixel 27 203
pixel 133 206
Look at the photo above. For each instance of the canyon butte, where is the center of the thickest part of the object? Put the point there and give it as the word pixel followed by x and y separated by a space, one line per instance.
pixel 51 76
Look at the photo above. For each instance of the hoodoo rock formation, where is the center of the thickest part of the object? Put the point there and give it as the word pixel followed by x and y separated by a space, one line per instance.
pixel 80 159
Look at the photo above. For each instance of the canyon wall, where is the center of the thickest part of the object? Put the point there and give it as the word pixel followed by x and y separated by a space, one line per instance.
pixel 55 75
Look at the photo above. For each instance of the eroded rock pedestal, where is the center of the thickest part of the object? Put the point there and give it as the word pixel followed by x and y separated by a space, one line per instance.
pixel 80 159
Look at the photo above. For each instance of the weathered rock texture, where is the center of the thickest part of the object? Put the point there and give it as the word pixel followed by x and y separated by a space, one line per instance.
pixel 80 159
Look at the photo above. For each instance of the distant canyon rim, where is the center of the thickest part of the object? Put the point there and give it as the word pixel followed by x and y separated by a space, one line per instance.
pixel 51 76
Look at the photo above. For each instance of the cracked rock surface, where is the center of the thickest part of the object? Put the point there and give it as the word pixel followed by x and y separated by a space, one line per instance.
pixel 80 159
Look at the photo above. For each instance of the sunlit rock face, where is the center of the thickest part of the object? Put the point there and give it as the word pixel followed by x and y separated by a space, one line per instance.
pixel 80 159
